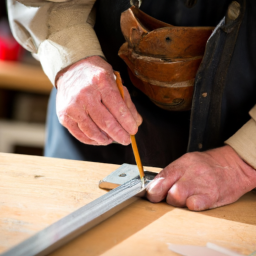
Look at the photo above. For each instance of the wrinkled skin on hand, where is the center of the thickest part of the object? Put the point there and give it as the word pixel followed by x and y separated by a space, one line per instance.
pixel 204 180
pixel 90 106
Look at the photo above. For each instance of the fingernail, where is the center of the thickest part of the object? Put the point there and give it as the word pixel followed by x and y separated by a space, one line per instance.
pixel 104 139
pixel 197 205
pixel 139 120
pixel 126 143
pixel 108 141
pixel 155 187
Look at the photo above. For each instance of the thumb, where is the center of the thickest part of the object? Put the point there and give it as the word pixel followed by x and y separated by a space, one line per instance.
pixel 199 202
pixel 128 101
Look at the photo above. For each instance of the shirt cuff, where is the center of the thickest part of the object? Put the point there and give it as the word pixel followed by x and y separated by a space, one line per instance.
pixel 244 140
pixel 66 47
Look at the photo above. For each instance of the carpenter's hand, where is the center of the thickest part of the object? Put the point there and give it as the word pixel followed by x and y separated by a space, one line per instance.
pixel 205 180
pixel 90 106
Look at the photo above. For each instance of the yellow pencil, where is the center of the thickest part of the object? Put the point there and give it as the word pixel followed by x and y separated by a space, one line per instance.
pixel 133 140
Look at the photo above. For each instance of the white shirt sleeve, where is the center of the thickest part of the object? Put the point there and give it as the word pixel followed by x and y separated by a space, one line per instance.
pixel 58 32
pixel 244 140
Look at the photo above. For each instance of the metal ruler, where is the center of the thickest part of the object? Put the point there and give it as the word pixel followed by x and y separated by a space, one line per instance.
pixel 88 216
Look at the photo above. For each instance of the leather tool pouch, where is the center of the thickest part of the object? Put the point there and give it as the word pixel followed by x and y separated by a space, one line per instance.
pixel 162 59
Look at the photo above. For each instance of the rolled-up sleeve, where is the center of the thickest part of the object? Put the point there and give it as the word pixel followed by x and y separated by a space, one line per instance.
pixel 57 32
pixel 244 140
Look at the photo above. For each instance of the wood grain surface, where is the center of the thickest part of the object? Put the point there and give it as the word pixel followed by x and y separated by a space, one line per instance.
pixel 37 191
pixel 23 77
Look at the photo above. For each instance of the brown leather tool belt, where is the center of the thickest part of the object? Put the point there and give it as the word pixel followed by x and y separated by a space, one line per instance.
pixel 162 59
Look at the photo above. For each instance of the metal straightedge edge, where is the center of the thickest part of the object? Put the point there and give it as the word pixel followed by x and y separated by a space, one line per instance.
pixel 83 219
pixel 118 177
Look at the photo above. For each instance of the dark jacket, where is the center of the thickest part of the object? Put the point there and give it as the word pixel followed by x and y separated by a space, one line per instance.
pixel 227 76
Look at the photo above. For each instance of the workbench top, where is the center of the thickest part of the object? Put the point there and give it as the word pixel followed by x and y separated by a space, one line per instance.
pixel 37 191
pixel 19 76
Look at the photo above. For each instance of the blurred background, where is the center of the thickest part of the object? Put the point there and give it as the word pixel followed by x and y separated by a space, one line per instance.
pixel 24 93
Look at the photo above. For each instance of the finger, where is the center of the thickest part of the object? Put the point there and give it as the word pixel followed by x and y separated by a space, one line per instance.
pixel 107 123
pixel 199 202
pixel 75 131
pixel 131 107
pixel 157 190
pixel 90 129
pixel 86 125
pixel 112 99
pixel 178 194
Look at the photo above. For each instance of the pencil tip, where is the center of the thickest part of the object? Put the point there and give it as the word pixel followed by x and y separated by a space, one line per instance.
pixel 142 182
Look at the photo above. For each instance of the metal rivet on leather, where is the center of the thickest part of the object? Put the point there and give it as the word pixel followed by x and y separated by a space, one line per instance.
pixel 233 10
pixel 168 39
pixel 136 3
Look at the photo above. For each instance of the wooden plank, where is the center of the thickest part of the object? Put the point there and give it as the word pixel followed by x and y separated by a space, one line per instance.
pixel 85 218
pixel 36 191
pixel 23 77
pixel 146 229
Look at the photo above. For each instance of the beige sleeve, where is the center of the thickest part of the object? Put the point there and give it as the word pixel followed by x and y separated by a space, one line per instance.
pixel 244 140
pixel 57 32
